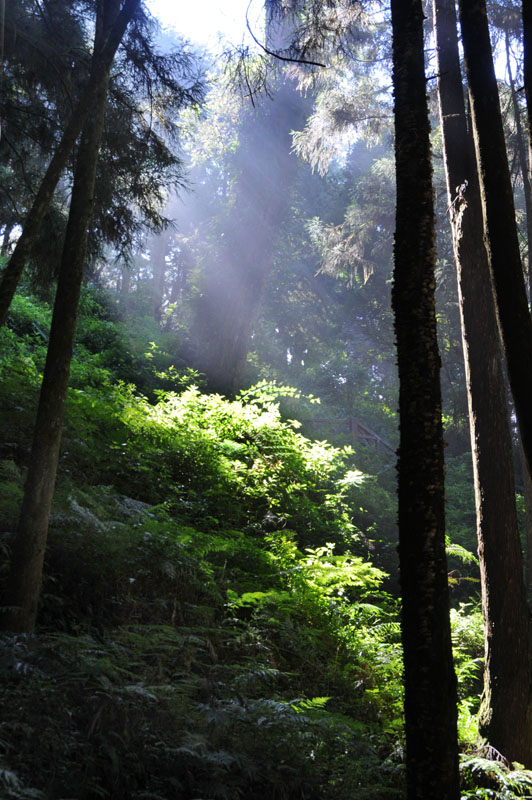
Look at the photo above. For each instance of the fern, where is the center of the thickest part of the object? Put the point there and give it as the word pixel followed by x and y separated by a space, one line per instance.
pixel 491 778
pixel 466 556
pixel 12 788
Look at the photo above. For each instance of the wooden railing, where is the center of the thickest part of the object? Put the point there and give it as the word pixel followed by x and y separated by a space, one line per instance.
pixel 357 432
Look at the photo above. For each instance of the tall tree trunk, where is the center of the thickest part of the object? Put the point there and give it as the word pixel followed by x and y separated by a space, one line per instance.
pixel 4 249
pixel 524 165
pixel 35 216
pixel 28 549
pixel 430 683
pixel 527 59
pixel 521 155
pixel 506 704
pixel 158 251
pixel 527 497
pixel 498 213
pixel 124 287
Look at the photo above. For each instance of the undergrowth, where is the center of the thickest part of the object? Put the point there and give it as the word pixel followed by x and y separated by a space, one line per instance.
pixel 210 626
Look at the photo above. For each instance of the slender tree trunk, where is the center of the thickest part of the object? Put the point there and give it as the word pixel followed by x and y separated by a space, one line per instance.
pixel 506 704
pixel 521 155
pixel 4 250
pixel 158 251
pixel 522 151
pixel 184 262
pixel 30 541
pixel 430 683
pixel 124 287
pixel 527 59
pixel 527 496
pixel 498 213
pixel 35 216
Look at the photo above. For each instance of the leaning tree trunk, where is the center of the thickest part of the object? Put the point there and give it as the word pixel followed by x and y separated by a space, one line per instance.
pixel 28 549
pixel 505 718
pixel 498 212
pixel 430 683
pixel 35 216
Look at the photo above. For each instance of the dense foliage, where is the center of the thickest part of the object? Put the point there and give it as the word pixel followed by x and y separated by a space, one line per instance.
pixel 220 607
pixel 210 623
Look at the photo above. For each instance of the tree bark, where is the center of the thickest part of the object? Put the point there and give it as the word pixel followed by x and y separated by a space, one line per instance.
pixel 527 497
pixel 498 211
pixel 430 683
pixel 4 249
pixel 527 58
pixel 24 582
pixel 505 719
pixel 35 216
pixel 521 154
pixel 522 151
pixel 158 252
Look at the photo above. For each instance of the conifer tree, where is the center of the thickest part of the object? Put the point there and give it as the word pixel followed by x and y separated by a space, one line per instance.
pixel 35 216
pixel 527 57
pixel 430 683
pixel 24 582
pixel 498 211
pixel 505 707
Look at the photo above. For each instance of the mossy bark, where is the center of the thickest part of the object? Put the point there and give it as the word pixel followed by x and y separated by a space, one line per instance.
pixel 430 683
pixel 527 57
pixel 521 146
pixel 506 703
pixel 498 211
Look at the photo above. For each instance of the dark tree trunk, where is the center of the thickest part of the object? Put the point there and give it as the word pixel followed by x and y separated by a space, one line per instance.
pixel 521 147
pixel 430 683
pixel 524 163
pixel 527 58
pixel 505 708
pixel 498 213
pixel 28 549
pixel 35 216
pixel 527 496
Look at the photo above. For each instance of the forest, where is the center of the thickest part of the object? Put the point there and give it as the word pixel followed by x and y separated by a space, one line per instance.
pixel 265 419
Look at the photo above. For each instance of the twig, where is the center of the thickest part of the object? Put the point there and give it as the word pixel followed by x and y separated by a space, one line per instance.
pixel 276 55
